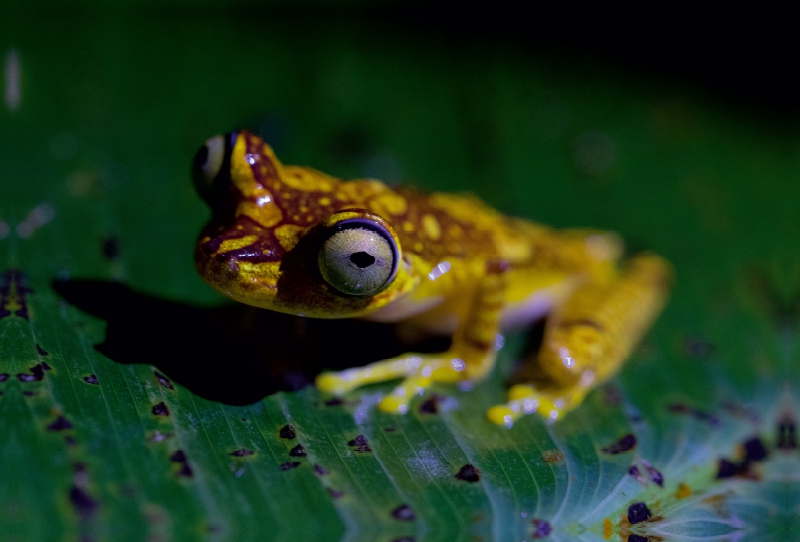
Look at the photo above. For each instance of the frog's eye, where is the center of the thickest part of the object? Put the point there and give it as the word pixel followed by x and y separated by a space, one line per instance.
pixel 207 165
pixel 209 158
pixel 359 257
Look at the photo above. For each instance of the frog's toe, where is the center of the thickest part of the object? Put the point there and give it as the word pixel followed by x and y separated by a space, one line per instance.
pixel 332 383
pixel 520 392
pixel 398 400
pixel 525 399
pixel 394 404
pixel 502 415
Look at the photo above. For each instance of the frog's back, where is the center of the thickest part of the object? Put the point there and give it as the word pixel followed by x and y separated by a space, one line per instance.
pixel 432 226
pixel 440 226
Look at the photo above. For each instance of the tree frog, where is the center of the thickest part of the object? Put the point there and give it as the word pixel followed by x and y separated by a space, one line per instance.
pixel 295 240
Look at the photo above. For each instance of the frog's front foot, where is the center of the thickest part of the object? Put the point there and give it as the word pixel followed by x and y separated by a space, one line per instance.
pixel 525 399
pixel 418 371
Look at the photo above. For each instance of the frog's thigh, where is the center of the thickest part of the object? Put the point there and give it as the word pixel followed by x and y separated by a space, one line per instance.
pixel 588 338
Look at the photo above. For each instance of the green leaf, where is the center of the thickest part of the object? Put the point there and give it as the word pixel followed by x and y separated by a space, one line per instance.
pixel 134 401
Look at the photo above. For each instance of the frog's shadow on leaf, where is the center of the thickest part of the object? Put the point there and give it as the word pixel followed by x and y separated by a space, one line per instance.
pixel 233 354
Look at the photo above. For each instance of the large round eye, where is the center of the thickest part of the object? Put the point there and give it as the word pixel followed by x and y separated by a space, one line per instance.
pixel 209 158
pixel 358 258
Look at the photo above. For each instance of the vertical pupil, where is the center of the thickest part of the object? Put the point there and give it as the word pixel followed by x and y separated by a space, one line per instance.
pixel 362 259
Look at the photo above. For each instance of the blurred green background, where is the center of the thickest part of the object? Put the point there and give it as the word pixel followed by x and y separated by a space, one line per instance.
pixel 103 112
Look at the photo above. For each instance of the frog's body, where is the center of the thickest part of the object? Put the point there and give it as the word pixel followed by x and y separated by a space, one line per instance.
pixel 450 264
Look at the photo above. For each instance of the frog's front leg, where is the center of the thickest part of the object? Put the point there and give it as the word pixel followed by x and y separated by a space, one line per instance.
pixel 470 357
pixel 587 340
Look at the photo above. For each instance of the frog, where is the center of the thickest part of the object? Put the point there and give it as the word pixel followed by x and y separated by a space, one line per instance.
pixel 296 240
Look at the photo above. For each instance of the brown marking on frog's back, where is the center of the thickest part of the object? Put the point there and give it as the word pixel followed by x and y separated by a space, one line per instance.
pixel 299 206
pixel 438 234
pixel 433 227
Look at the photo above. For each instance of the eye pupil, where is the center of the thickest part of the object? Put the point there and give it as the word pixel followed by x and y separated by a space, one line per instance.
pixel 362 259
pixel 201 157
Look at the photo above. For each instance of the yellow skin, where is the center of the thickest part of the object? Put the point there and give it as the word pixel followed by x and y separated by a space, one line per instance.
pixel 459 268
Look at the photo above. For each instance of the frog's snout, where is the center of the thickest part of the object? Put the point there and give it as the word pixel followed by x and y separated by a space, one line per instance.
pixel 211 165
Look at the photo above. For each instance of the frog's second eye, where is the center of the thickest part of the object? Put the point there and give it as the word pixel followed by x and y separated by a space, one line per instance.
pixel 207 164
pixel 358 258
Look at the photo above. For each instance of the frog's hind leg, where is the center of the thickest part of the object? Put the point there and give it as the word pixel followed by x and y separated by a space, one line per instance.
pixel 470 357
pixel 587 340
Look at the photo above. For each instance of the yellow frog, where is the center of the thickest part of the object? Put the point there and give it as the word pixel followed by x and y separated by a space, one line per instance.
pixel 298 241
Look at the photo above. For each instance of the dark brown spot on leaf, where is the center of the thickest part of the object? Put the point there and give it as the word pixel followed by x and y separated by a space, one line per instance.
pixel 335 493
pixel 298 451
pixel 179 456
pixel 163 380
pixel 28 393
pixel 468 473
pixel 160 409
pixel 242 452
pixel 634 471
pixel 287 432
pixel 290 465
pixel 404 539
pixel 3 377
pixel 637 538
pixel 754 450
pixel 320 470
pixel 638 512
pixel 37 373
pixel 334 402
pixel 185 471
pixel 70 441
pixel 552 456
pixel 61 424
pixel 360 444
pixel 403 513
pixel 45 366
pixel 83 503
pixel 655 476
pixel 42 351
pixel 390 429
pixel 430 406
pixel 91 379
pixel 628 442
pixel 728 469
pixel 541 528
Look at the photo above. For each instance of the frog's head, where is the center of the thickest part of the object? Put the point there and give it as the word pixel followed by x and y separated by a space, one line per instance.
pixel 289 239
